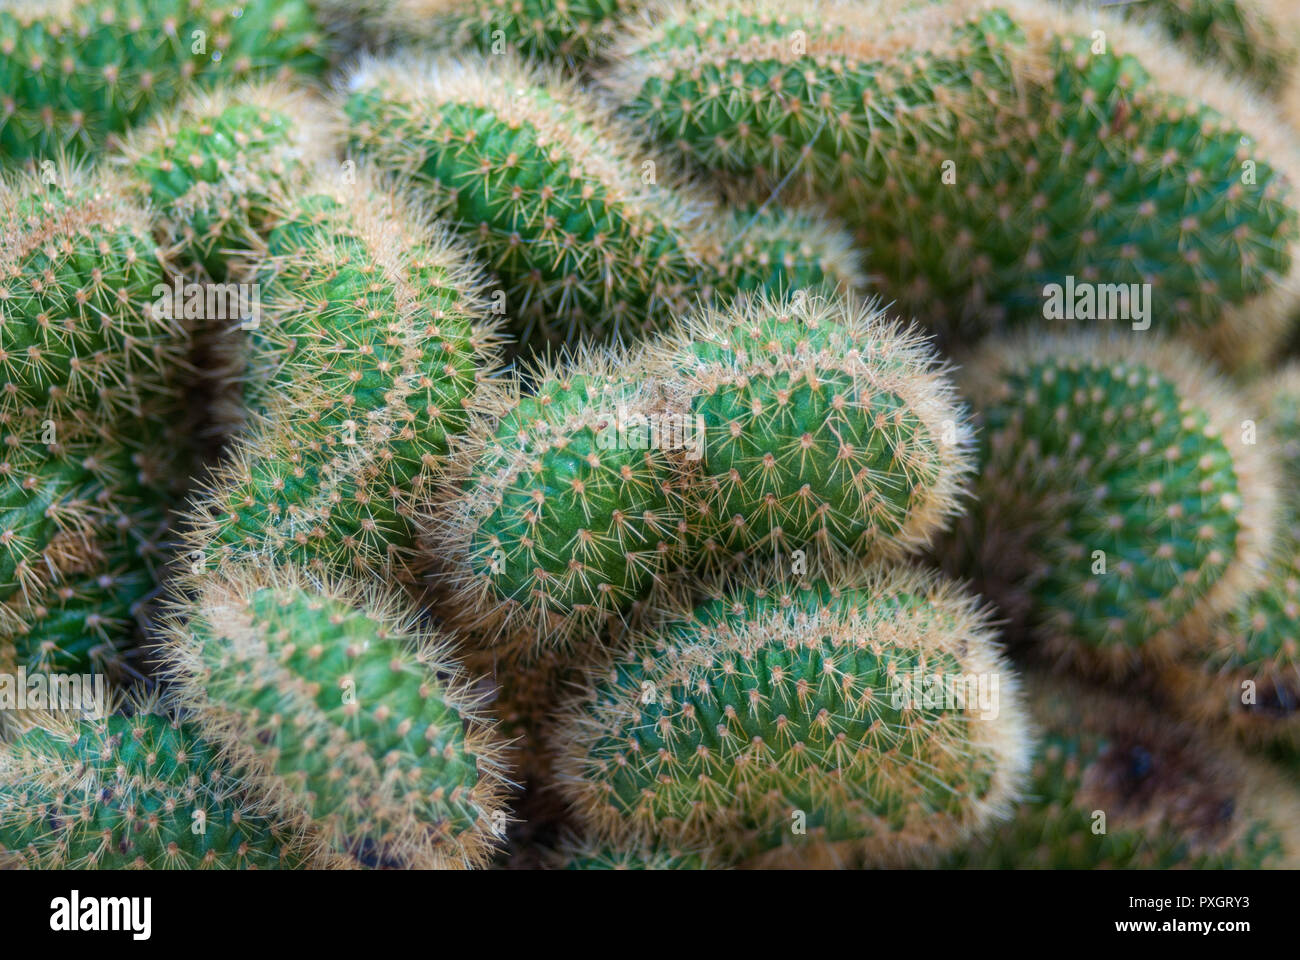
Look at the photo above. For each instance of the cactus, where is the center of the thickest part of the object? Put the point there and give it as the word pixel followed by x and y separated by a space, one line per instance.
pixel 74 72
pixel 343 714
pixel 984 153
pixel 823 425
pixel 779 249
pixel 568 512
pixel 371 355
pixel 588 235
pixel 211 167
pixel 777 706
pixel 129 792
pixel 84 618
pixel 1114 785
pixel 85 487
pixel 1120 507
pixel 1244 673
pixel 575 31
pixel 78 275
pixel 1256 39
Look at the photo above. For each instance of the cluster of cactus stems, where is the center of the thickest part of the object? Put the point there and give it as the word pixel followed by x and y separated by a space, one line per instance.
pixel 87 363
pixel 570 495
pixel 137 791
pixel 75 72
pixel 986 150
pixel 592 235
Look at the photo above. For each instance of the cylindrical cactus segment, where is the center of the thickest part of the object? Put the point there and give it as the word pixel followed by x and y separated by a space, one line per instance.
pixel 331 703
pixel 80 278
pixel 92 390
pixel 788 721
pixel 570 505
pixel 373 351
pixel 819 424
pixel 1120 502
pixel 562 205
pixel 139 791
pixel 74 72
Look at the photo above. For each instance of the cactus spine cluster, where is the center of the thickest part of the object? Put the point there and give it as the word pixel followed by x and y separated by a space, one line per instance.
pixel 343 715
pixel 86 359
pixel 74 72
pixel 766 724
pixel 590 235
pixel 1114 785
pixel 985 151
pixel 211 168
pixel 824 425
pixel 572 31
pixel 568 515
pixel 138 791
pixel 1119 504
pixel 1257 39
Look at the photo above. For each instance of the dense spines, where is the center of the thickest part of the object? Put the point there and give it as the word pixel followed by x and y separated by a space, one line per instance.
pixel 575 853
pixel 78 274
pixel 79 611
pixel 569 510
pixel 211 167
pixel 1119 506
pixel 1243 671
pixel 775 705
pixel 780 249
pixel 344 715
pixel 130 792
pixel 1259 39
pixel 373 352
pixel 984 152
pixel 824 426
pixel 543 181
pixel 1114 785
pixel 590 235
pixel 74 72
pixel 574 31
pixel 93 380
